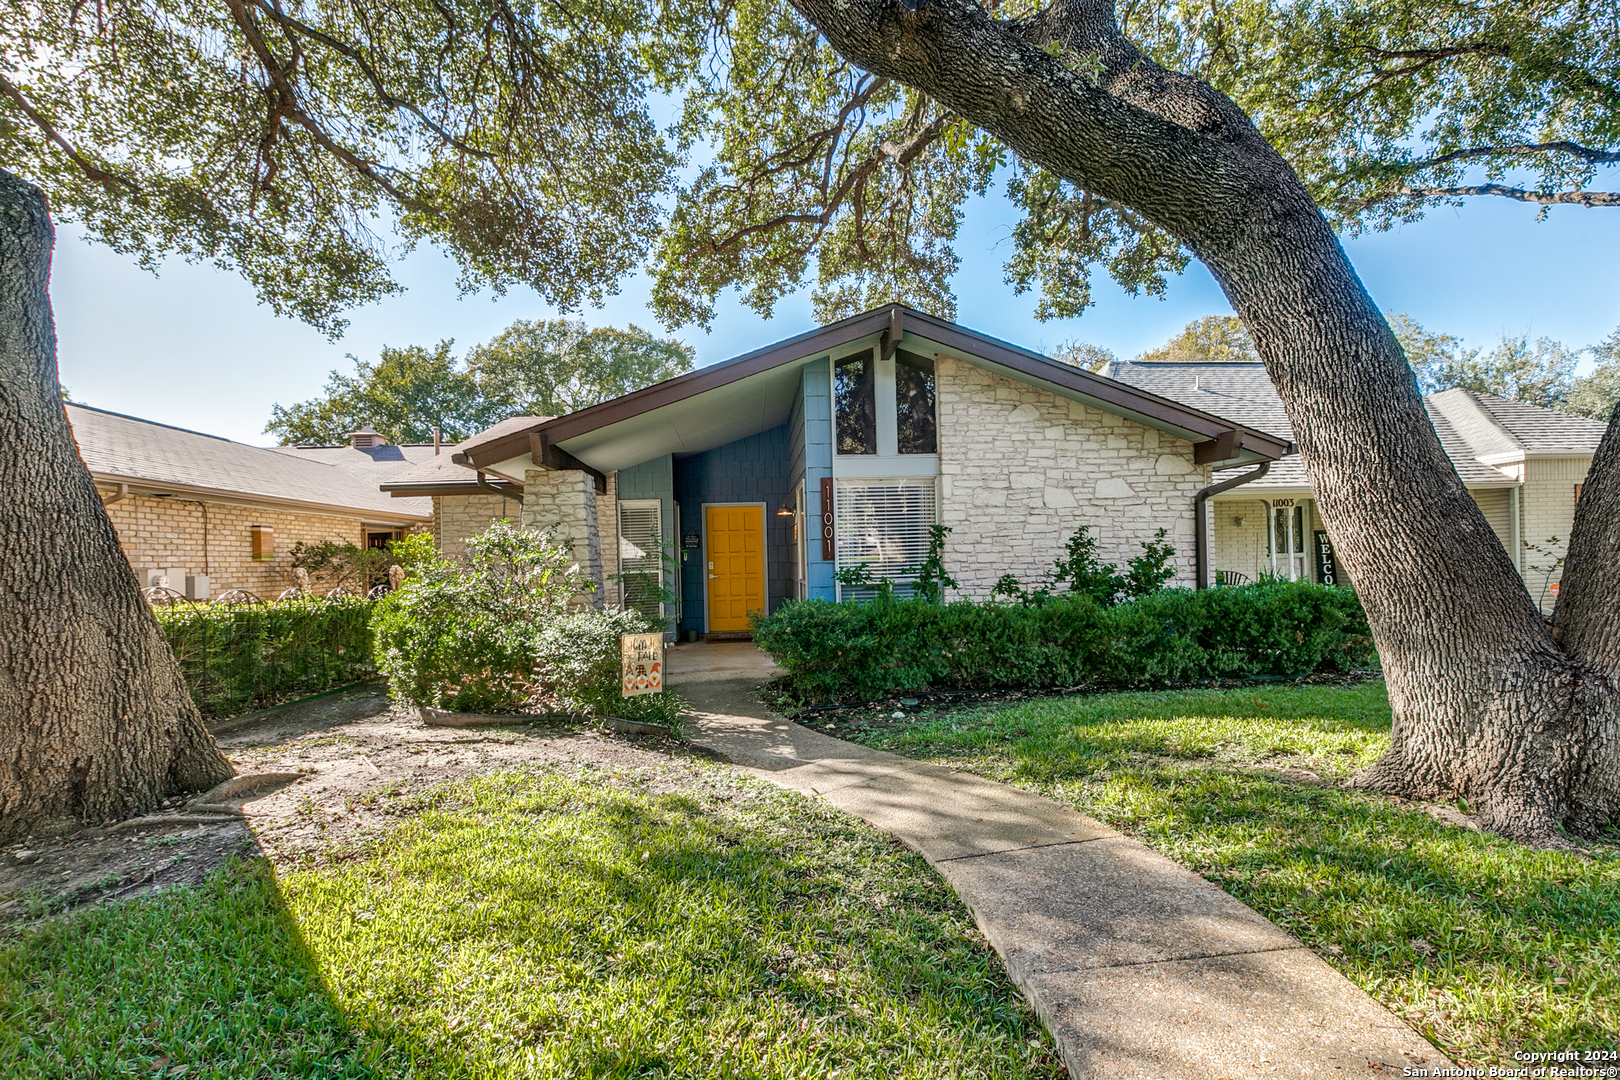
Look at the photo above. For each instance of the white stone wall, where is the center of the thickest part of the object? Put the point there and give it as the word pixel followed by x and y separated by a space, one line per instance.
pixel 458 517
pixel 1022 469
pixel 566 503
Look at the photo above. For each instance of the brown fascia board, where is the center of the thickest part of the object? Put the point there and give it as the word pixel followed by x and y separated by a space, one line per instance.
pixel 883 321
pixel 446 487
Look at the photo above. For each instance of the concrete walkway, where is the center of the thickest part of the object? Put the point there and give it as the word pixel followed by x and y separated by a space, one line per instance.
pixel 1140 968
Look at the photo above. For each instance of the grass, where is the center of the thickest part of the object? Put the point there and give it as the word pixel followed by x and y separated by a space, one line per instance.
pixel 1485 946
pixel 679 922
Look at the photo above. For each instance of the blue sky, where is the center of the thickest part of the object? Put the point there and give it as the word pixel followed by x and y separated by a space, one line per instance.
pixel 192 347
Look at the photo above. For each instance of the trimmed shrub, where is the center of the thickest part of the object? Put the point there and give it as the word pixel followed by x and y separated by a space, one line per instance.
pixel 495 633
pixel 862 651
pixel 240 658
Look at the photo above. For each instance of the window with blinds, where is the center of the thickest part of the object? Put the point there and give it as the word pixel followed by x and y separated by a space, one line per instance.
pixel 641 559
pixel 884 524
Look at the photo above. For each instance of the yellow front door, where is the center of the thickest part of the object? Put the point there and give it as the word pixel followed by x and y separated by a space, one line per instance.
pixel 736 537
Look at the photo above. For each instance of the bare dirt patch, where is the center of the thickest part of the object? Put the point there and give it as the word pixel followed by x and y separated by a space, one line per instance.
pixel 358 761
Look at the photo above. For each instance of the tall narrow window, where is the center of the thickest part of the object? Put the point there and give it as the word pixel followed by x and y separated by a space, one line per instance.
pixel 914 404
pixel 641 557
pixel 1288 554
pixel 855 403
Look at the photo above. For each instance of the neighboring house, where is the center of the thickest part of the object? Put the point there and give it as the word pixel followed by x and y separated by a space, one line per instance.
pixel 1522 464
pixel 465 502
pixel 750 482
pixel 211 515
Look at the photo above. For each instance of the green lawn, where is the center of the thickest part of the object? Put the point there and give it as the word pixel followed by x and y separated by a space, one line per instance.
pixel 1485 946
pixel 676 922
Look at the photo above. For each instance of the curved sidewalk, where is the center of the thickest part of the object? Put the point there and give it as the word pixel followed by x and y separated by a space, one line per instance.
pixel 1140 968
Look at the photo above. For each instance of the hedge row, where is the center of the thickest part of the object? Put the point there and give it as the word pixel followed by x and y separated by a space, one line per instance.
pixel 239 658
pixel 858 652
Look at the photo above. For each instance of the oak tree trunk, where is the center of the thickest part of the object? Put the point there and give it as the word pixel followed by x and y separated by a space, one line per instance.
pixel 95 720
pixel 1490 703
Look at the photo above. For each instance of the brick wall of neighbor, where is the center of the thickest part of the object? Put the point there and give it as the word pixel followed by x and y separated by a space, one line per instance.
pixel 566 502
pixel 1241 548
pixel 457 517
pixel 168 534
pixel 1548 508
pixel 1023 468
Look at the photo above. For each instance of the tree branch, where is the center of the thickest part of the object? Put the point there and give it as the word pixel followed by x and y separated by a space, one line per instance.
pixel 287 22
pixel 1587 153
pixel 1549 198
pixel 89 168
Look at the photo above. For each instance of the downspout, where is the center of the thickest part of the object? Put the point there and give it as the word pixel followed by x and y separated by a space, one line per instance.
pixel 1514 528
pixel 120 494
pixel 1201 528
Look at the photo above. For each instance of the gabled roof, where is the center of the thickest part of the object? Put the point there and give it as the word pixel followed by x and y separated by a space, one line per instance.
pixel 730 400
pixel 1499 426
pixel 158 459
pixel 1476 430
pixel 375 465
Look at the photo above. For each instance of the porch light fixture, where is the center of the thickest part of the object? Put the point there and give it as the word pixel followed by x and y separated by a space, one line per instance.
pixel 784 511
pixel 1239 521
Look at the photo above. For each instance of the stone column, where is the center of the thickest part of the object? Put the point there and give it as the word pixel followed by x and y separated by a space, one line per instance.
pixel 565 502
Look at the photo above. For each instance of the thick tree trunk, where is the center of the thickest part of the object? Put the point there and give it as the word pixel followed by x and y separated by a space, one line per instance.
pixel 1488 705
pixel 95 720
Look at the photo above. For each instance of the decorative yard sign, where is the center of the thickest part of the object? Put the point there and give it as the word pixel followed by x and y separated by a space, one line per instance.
pixel 827 551
pixel 642 663
pixel 1327 566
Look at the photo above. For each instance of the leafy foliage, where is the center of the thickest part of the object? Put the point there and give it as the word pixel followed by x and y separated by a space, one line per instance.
pixel 860 651
pixel 549 367
pixel 461 635
pixel 1082 572
pixel 496 632
pixel 540 368
pixel 1215 339
pixel 1597 394
pixel 236 659
pixel 523 141
pixel 343 563
pixel 932 580
pixel 403 397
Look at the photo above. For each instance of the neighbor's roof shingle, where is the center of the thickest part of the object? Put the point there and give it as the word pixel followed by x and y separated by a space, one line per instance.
pixel 127 448
pixel 1470 425
pixel 376 465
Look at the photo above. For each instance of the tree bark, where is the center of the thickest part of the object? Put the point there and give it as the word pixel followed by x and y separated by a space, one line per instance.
pixel 95 719
pixel 1487 705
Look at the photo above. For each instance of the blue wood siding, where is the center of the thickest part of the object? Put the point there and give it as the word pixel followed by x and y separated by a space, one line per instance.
pixel 751 470
pixel 818 450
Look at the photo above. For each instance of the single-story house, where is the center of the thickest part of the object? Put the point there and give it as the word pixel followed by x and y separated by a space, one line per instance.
pixel 1522 464
pixel 209 515
pixel 749 482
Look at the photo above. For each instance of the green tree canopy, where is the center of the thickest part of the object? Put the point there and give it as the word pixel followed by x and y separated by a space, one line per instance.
pixel 278 140
pixel 557 366
pixel 1597 394
pixel 1539 372
pixel 1214 339
pixel 540 368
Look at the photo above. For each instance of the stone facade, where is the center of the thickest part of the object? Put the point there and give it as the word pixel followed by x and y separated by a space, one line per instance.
pixel 1022 469
pixel 216 539
pixel 458 517
pixel 565 502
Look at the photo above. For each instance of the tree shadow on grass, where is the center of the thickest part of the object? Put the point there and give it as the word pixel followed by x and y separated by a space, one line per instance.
pixel 541 925
pixel 207 981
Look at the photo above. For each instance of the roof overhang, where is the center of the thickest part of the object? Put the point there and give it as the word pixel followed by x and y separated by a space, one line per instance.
pixel 456 487
pixel 138 485
pixel 736 398
pixel 1514 457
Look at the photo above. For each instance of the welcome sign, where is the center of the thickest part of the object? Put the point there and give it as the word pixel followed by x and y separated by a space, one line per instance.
pixel 642 664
